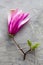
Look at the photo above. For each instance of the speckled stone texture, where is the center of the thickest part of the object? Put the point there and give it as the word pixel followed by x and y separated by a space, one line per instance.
pixel 33 30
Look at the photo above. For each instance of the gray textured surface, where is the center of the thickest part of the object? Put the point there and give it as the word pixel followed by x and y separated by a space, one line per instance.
pixel 9 53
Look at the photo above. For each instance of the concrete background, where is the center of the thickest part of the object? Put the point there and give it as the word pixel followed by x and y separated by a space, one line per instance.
pixel 33 30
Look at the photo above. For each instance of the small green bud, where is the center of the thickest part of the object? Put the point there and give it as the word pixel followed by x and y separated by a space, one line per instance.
pixel 29 43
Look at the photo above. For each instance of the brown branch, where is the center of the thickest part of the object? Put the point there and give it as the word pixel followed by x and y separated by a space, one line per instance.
pixel 27 51
pixel 26 54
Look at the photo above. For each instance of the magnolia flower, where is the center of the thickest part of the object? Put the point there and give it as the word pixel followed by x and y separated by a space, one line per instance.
pixel 16 19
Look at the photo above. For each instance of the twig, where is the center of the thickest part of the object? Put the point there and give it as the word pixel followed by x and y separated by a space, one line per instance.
pixel 26 54
pixel 27 51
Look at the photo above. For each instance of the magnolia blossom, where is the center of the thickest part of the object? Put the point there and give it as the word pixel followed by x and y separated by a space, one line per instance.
pixel 16 19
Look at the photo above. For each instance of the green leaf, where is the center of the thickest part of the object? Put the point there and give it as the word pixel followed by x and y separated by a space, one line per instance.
pixel 29 43
pixel 33 47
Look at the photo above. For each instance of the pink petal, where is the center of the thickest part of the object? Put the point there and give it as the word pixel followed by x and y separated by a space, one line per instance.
pixel 14 12
pixel 16 15
pixel 23 22
pixel 10 16
pixel 10 29
pixel 23 17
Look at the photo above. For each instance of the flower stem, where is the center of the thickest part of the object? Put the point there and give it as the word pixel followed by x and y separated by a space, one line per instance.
pixel 18 46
